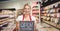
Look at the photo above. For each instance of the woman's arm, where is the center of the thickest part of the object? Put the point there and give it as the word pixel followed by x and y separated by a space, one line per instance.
pixel 17 26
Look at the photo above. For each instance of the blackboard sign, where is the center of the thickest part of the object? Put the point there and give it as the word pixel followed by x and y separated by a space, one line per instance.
pixel 26 26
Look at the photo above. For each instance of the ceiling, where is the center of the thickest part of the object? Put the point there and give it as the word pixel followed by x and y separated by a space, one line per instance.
pixel 4 0
pixel 7 0
pixel 19 0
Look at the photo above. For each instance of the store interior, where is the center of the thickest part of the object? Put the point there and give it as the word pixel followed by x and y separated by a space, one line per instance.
pixel 47 14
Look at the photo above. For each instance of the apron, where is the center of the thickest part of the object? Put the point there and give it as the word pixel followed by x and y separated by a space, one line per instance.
pixel 23 27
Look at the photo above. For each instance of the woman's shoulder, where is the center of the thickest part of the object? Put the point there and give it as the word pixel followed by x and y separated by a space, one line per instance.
pixel 20 16
pixel 33 17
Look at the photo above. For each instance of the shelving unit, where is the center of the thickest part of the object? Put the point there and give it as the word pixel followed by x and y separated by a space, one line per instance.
pixel 7 16
pixel 36 11
pixel 3 21
pixel 51 16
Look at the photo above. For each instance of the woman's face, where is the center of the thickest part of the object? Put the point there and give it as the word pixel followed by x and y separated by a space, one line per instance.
pixel 27 10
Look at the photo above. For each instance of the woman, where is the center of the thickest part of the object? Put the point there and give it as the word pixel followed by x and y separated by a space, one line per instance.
pixel 26 15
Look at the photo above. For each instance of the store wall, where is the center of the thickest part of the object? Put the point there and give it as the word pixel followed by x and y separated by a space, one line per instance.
pixel 8 4
pixel 15 4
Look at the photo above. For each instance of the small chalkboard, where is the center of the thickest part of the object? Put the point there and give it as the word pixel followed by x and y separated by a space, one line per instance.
pixel 26 26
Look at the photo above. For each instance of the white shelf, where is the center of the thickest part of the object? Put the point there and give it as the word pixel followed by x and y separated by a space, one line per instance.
pixel 10 28
pixel 3 23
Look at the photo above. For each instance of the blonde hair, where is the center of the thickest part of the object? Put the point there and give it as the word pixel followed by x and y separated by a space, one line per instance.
pixel 27 5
